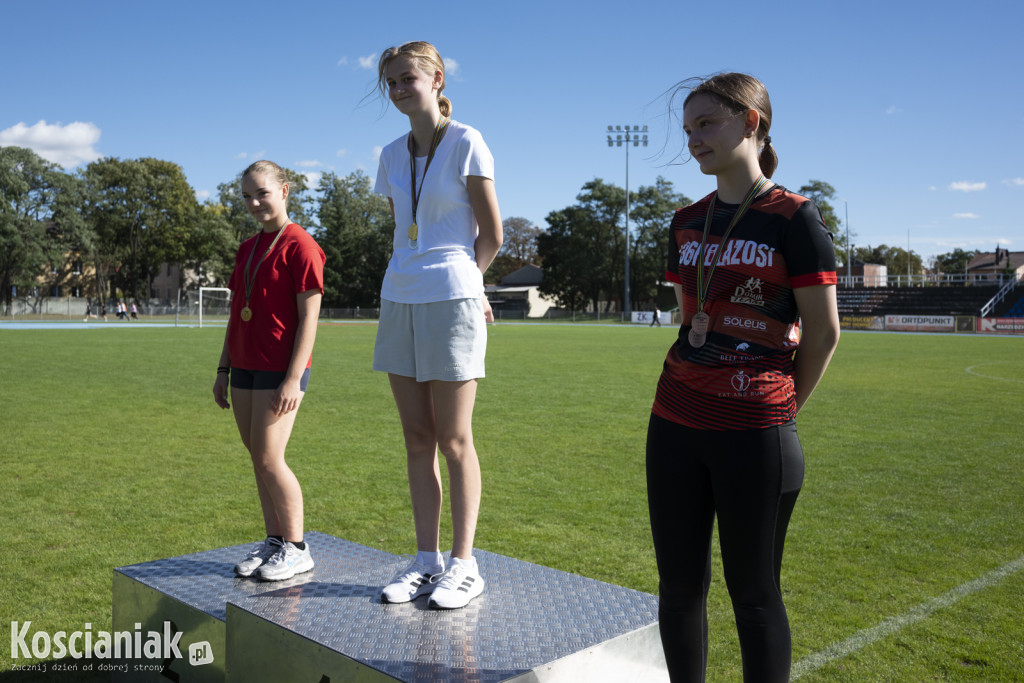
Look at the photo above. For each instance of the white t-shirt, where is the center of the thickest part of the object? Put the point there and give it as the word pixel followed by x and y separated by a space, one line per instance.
pixel 442 266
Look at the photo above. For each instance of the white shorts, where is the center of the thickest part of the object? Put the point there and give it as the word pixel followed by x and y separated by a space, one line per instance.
pixel 444 340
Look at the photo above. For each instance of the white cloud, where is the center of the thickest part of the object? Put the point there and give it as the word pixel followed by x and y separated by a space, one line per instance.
pixel 202 194
pixel 68 145
pixel 892 109
pixel 309 163
pixel 368 62
pixel 313 179
pixel 966 215
pixel 1019 182
pixel 451 67
pixel 246 155
pixel 343 61
pixel 965 186
pixel 342 152
pixel 376 153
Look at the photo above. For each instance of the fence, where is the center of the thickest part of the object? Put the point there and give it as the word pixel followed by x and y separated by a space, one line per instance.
pixel 72 309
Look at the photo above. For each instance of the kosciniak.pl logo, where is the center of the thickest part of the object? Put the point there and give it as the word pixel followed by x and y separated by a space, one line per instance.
pixel 103 644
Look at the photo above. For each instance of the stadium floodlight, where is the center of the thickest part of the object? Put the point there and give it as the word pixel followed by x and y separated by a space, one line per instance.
pixel 637 136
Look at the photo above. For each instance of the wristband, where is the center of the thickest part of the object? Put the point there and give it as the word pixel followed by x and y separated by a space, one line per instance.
pixel 223 369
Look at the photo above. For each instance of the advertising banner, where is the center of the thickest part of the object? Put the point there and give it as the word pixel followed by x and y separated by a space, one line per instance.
pixel 920 323
pixel 1003 325
pixel 862 322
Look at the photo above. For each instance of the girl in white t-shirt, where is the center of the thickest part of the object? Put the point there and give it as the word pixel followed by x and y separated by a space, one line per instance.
pixel 439 180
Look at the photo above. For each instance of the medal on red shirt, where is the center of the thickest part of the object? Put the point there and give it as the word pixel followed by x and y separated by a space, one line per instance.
pixel 697 335
pixel 439 131
pixel 246 313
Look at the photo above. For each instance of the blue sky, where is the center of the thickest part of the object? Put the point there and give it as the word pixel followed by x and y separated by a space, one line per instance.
pixel 913 111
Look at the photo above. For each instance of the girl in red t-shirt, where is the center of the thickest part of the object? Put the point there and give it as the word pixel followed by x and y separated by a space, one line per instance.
pixel 277 286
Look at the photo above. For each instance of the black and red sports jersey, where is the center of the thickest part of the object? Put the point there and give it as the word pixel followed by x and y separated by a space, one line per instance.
pixel 742 377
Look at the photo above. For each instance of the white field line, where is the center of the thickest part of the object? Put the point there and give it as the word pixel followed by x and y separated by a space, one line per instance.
pixel 972 371
pixel 893 624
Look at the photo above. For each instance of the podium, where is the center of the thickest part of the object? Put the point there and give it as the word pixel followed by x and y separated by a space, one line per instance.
pixel 531 623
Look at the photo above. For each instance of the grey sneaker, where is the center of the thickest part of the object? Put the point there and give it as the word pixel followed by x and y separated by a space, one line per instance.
pixel 286 563
pixel 259 554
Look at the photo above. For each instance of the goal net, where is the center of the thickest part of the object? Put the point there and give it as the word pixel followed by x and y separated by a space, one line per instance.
pixel 209 305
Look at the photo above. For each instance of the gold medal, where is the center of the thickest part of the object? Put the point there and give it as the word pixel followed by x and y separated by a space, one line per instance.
pixel 439 130
pixel 246 313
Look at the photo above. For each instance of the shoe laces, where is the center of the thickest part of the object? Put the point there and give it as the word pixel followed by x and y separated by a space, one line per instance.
pixel 264 549
pixel 451 577
pixel 282 553
pixel 415 569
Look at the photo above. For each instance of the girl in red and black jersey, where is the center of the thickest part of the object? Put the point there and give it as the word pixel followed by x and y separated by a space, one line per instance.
pixel 754 274
pixel 277 286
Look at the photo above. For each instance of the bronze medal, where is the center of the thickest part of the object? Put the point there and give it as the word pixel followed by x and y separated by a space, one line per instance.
pixel 245 314
pixel 414 232
pixel 697 336
pixel 698 330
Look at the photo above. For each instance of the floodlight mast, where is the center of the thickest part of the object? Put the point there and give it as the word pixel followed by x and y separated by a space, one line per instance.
pixel 636 135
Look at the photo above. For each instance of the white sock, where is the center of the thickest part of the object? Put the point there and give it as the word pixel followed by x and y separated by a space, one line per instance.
pixel 468 564
pixel 432 559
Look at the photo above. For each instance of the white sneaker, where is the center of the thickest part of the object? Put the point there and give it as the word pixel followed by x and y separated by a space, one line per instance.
pixel 286 563
pixel 408 584
pixel 456 586
pixel 260 553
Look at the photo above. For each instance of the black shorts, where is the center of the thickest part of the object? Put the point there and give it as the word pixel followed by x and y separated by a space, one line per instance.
pixel 255 380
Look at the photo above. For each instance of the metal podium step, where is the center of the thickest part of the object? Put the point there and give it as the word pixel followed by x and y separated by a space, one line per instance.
pixel 532 623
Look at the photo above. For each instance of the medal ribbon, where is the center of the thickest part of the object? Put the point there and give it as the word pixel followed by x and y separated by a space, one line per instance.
pixel 439 131
pixel 250 283
pixel 702 284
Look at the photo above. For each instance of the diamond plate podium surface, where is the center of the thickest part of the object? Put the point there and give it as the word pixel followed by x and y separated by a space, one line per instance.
pixel 191 592
pixel 532 623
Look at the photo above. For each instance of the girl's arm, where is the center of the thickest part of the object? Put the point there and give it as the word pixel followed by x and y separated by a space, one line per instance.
pixel 484 201
pixel 220 386
pixel 819 318
pixel 287 397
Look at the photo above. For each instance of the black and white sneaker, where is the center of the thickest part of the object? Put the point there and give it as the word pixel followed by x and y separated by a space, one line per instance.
pixel 408 584
pixel 456 586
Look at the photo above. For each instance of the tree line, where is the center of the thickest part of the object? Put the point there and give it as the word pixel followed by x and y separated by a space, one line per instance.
pixel 118 221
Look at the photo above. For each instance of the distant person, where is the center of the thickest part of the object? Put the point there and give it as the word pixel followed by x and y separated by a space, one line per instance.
pixel 753 268
pixel 656 318
pixel 432 336
pixel 277 287
pixel 88 310
pixel 135 312
pixel 103 312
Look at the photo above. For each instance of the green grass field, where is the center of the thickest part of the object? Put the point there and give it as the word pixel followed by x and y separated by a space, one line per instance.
pixel 903 562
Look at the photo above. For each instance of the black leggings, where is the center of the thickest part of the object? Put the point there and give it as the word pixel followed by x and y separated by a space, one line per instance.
pixel 751 480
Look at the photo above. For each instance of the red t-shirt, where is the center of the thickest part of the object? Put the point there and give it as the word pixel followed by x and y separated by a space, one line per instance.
pixel 742 377
pixel 295 265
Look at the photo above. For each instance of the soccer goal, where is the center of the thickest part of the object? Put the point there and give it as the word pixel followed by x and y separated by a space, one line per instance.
pixel 209 303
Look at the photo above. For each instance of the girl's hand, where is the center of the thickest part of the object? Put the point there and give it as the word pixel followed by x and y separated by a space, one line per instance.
pixel 287 397
pixel 220 390
pixel 488 311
